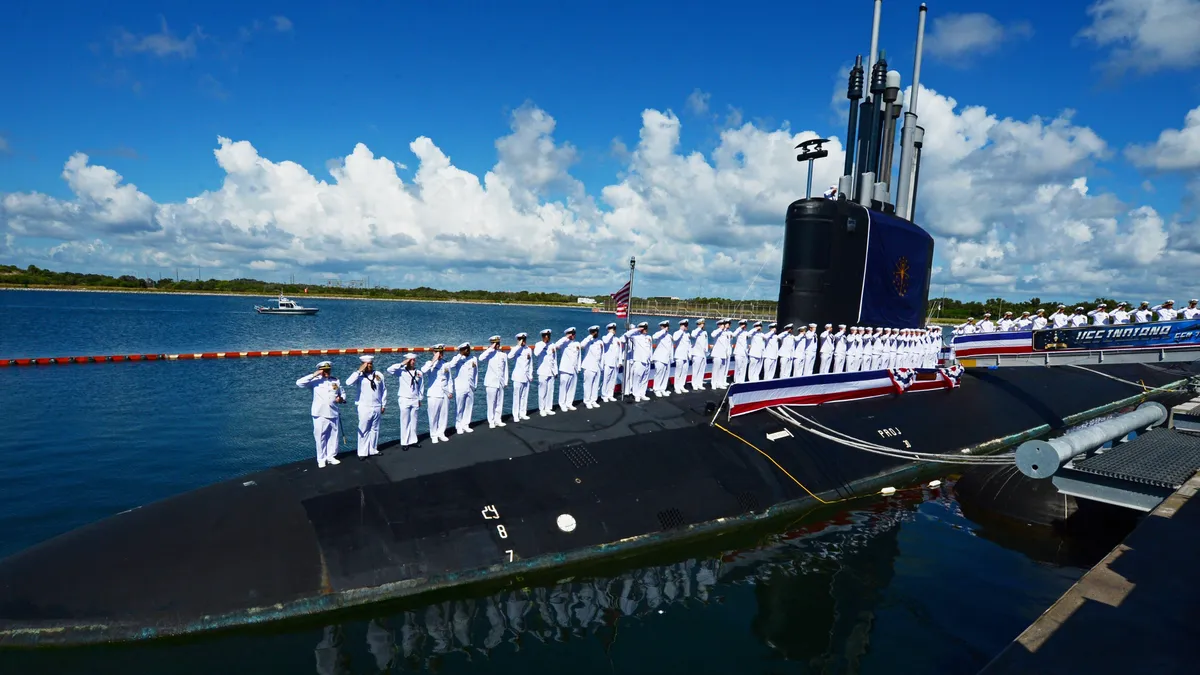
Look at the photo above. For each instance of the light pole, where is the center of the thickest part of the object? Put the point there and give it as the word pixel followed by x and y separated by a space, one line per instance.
pixel 811 150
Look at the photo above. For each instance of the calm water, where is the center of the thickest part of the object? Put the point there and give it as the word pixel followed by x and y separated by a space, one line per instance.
pixel 906 583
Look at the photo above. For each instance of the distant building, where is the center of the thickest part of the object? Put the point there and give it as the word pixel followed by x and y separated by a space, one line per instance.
pixel 586 301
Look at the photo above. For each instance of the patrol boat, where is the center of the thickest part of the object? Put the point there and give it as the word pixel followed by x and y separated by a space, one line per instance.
pixel 286 306
pixel 540 500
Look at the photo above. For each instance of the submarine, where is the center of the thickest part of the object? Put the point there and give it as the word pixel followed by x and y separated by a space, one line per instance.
pixel 552 494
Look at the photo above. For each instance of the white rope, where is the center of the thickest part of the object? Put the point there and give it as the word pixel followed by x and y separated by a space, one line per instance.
pixel 849 441
pixel 1141 385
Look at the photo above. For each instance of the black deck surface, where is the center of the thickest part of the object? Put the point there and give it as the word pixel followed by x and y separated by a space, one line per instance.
pixel 1160 457
pixel 296 533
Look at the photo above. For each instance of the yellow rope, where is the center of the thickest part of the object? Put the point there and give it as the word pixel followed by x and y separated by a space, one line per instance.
pixel 780 467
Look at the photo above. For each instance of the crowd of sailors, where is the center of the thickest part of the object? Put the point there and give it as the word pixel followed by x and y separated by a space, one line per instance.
pixel 1062 318
pixel 753 353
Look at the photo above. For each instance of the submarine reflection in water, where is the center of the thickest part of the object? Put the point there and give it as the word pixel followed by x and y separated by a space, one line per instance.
pixel 814 589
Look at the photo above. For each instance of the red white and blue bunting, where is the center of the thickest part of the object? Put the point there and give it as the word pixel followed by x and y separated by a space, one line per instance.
pixel 987 344
pixel 748 397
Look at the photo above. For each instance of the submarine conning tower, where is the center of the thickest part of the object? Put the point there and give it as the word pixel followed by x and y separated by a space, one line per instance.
pixel 858 258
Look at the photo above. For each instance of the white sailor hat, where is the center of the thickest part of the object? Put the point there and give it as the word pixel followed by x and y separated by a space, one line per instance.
pixel 1041 311
pixel 1009 313
pixel 611 325
pixel 1193 301
pixel 643 324
pixel 788 326
pixel 987 313
pixel 757 324
pixel 465 345
pixel 664 322
pixel 1169 302
pixel 682 321
pixel 521 336
pixel 366 358
pixel 1125 304
pixel 1026 313
pixel 438 347
pixel 1143 302
pixel 569 330
pixel 841 325
pixel 741 321
pixel 546 331
pixel 771 325
pixel 700 320
pixel 1062 306
pixel 812 325
pixel 494 338
pixel 595 329
pixel 970 318
pixel 324 364
pixel 1101 305
pixel 1078 309
pixel 408 357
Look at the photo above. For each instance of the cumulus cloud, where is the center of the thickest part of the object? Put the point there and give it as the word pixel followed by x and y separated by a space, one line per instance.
pixel 697 102
pixel 1008 201
pixel 1145 35
pixel 282 23
pixel 1175 149
pixel 164 43
pixel 957 38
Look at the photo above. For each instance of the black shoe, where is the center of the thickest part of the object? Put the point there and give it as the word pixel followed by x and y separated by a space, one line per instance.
pixel 361 458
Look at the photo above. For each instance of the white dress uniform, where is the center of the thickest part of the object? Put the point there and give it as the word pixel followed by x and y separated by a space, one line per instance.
pixel 641 349
pixel 495 379
pixel 1006 325
pixel 1165 313
pixel 372 398
pixel 770 352
pixel 1024 323
pixel 1120 315
pixel 327 393
pixel 682 355
pixel 521 357
pixel 466 379
pixel 721 351
pixel 409 397
pixel 787 350
pixel 1078 318
pixel 568 369
pixel 1143 314
pixel 439 388
pixel 614 354
pixel 986 326
pixel 839 349
pixel 758 344
pixel 741 352
pixel 810 351
pixel 547 370
pixel 1039 321
pixel 1191 311
pixel 592 349
pixel 1099 316
pixel 699 355
pixel 664 351
pixel 1059 319
pixel 827 349
pixel 854 350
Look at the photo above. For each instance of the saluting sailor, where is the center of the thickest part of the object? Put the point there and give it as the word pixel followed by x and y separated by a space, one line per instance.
pixel 568 369
pixel 1078 318
pixel 986 326
pixel 1059 318
pixel 327 394
pixel 466 379
pixel 771 352
pixel 614 353
pixel 593 351
pixel 827 349
pixel 641 346
pixel 664 351
pixel 1039 319
pixel 810 351
pixel 721 351
pixel 839 349
pixel 854 350
pixel 547 371
pixel 1192 311
pixel 1143 313
pixel 758 345
pixel 495 379
pixel 868 349
pixel 699 354
pixel 683 355
pixel 1121 314
pixel 521 356
pixel 439 389
pixel 1099 316
pixel 741 351
pixel 1166 311
pixel 1006 323
pixel 409 397
pixel 372 399
pixel 787 350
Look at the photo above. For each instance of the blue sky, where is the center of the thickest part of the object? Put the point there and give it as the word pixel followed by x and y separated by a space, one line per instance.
pixel 146 88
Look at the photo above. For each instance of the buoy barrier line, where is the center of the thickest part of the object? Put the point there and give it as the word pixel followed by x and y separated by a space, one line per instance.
pixel 194 356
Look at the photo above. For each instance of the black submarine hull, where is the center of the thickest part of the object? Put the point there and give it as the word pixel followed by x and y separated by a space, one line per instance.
pixel 295 541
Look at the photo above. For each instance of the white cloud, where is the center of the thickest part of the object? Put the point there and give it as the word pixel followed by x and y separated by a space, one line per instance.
pixel 957 38
pixel 1175 150
pixel 163 43
pixel 1008 200
pixel 1146 35
pixel 5 148
pixel 282 23
pixel 697 102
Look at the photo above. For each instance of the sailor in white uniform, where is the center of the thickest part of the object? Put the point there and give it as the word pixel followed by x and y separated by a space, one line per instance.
pixel 1006 324
pixel 438 390
pixel 1039 319
pixel 800 351
pixel 664 351
pixel 870 348
pixel 1078 318
pixel 1191 311
pixel 466 379
pixel 1143 314
pixel 568 368
pixel 592 349
pixel 495 379
pixel 547 370
pixel 787 351
pixel 771 352
pixel 639 364
pixel 327 394
pixel 521 356
pixel 409 397
pixel 758 345
pixel 1121 314
pixel 827 349
pixel 854 347
pixel 372 399
pixel 683 354
pixel 1166 311
pixel 807 348
pixel 1060 319
pixel 721 350
pixel 741 352
pixel 986 326
pixel 699 354
pixel 1099 316
pixel 1024 323
pixel 614 354
pixel 840 346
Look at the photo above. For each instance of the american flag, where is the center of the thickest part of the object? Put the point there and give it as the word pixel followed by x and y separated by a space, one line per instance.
pixel 621 298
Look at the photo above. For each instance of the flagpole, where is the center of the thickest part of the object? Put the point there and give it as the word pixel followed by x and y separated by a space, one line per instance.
pixel 627 379
pixel 629 309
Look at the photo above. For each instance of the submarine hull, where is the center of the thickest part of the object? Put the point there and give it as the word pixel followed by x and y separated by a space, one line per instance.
pixel 293 540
